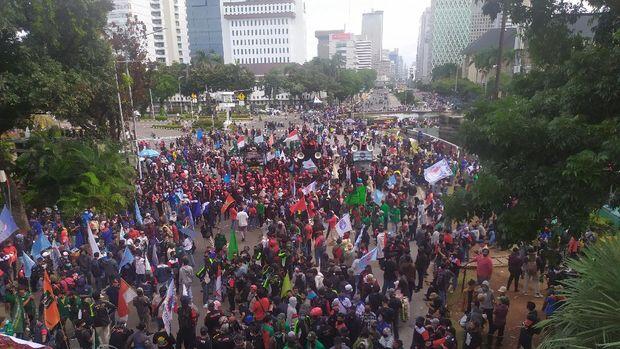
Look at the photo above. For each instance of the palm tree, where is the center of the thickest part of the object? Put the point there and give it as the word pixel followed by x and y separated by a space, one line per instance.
pixel 493 8
pixel 590 315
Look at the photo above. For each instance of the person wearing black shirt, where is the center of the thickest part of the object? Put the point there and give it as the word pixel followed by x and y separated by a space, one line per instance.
pixel 119 335
pixel 203 341
pixel 389 274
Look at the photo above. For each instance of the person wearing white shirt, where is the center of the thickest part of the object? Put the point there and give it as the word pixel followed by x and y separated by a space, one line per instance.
pixel 140 264
pixel 242 221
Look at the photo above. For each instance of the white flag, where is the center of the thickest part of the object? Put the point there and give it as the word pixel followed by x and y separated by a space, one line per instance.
pixel 365 260
pixel 344 225
pixel 94 248
pixel 309 188
pixel 168 307
pixel 309 165
pixel 437 172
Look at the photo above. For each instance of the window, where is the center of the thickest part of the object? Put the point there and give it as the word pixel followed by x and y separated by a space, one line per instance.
pixel 160 52
pixel 178 31
pixel 158 37
pixel 161 59
pixel 180 53
pixel 181 60
pixel 157 21
pixel 159 44
pixel 179 45
pixel 177 23
pixel 156 14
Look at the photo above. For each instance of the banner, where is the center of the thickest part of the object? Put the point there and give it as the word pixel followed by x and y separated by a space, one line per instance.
pixel 50 312
pixel 377 197
pixel 94 248
pixel 437 172
pixel 309 188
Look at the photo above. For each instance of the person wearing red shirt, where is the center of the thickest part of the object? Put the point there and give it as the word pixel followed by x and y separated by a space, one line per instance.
pixel 232 211
pixel 484 266
pixel 261 306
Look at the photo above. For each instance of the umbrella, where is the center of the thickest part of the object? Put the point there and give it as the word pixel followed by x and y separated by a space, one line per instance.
pixel 149 153
pixel 349 121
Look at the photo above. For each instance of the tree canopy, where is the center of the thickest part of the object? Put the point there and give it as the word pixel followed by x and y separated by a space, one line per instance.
pixel 54 57
pixel 551 149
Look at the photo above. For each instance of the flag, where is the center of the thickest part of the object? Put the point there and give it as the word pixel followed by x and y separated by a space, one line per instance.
pixel 392 180
pixel 357 197
pixel 218 284
pixel 233 248
pixel 299 206
pixel 138 214
pixel 240 142
pixel 28 264
pixel 286 285
pixel 377 197
pixel 127 258
pixel 344 225
pixel 168 307
pixel 229 201
pixel 365 260
pixel 92 243
pixel 309 165
pixel 7 224
pixel 226 178
pixel 359 236
pixel 437 172
pixel 50 312
pixel 189 232
pixel 259 139
pixel 40 244
pixel 293 136
pixel 271 140
pixel 199 135
pixel 309 188
pixel 126 294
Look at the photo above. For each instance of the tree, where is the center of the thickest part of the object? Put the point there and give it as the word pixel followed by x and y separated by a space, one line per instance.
pixel 74 174
pixel 53 57
pixel 273 82
pixel 348 84
pixel 444 71
pixel 164 83
pixel 589 316
pixel 553 146
pixel 369 77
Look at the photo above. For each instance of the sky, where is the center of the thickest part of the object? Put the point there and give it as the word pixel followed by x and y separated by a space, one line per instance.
pixel 401 21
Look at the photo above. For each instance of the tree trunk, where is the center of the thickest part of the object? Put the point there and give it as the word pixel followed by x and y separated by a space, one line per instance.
pixel 500 49
pixel 17 207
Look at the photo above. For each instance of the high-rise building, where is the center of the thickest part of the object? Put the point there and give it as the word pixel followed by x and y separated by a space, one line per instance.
pixel 400 72
pixel 425 37
pixel 204 26
pixel 451 30
pixel 262 35
pixel 165 27
pixel 480 22
pixel 343 45
pixel 322 47
pixel 372 30
pixel 363 52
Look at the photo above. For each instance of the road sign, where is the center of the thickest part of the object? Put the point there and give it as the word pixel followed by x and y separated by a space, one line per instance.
pixel 241 96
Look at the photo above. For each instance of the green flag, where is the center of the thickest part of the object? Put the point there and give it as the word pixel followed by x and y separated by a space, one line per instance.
pixel 233 248
pixel 357 197
pixel 286 285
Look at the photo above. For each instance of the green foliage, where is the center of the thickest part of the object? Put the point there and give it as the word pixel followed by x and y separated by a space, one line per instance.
pixel 75 174
pixel 444 71
pixel 589 317
pixel 54 57
pixel 554 144
pixel 406 97
pixel 164 84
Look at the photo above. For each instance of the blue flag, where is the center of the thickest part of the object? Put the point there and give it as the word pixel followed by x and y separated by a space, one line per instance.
pixel 226 178
pixel 138 214
pixel 40 244
pixel 377 196
pixel 392 180
pixel 189 232
pixel 365 260
pixel 28 264
pixel 127 258
pixel 7 224
pixel 199 134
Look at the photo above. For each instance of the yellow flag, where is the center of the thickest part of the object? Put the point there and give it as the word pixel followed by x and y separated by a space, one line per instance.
pixel 286 286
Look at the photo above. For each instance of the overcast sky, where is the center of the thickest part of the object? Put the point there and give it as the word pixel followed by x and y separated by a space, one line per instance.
pixel 401 21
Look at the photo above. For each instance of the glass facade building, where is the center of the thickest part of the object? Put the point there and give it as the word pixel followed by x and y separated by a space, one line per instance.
pixel 205 26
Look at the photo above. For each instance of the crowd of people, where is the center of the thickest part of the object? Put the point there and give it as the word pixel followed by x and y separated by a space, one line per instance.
pixel 314 217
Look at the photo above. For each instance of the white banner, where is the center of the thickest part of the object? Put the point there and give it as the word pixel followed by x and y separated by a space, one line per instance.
pixel 437 172
pixel 344 225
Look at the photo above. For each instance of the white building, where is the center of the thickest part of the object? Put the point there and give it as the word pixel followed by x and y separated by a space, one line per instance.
pixel 264 34
pixel 363 51
pixel 423 57
pixel 165 26
pixel 343 44
pixel 372 30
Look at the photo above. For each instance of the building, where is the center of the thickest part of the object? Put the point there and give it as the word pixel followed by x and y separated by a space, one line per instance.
pixel 451 31
pixel 363 52
pixel 400 72
pixel 480 22
pixel 165 26
pixel 204 25
pixel 486 46
pixel 343 45
pixel 372 30
pixel 263 34
pixel 425 37
pixel 322 48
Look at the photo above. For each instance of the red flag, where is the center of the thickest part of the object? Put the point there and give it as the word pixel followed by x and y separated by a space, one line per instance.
pixel 50 313
pixel 229 201
pixel 299 206
pixel 126 294
pixel 293 136
pixel 271 140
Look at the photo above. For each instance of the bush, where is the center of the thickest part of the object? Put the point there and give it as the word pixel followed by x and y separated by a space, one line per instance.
pixel 161 118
